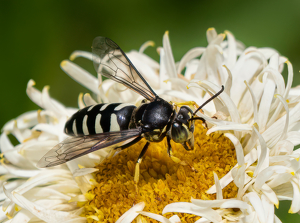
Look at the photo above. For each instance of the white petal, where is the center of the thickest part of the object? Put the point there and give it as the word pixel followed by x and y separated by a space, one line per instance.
pixel 224 181
pixel 268 208
pixel 228 83
pixel 254 102
pixel 88 100
pixel 234 114
pixel 34 94
pixel 232 54
pixel 265 104
pixel 295 206
pixel 263 155
pixel 84 171
pixel 157 217
pixel 293 137
pixel 40 212
pixel 248 64
pixel 236 204
pixel 20 171
pixel 289 79
pixel 270 194
pixel 175 219
pixel 257 205
pixel 80 75
pixel 79 53
pixel 238 148
pixel 265 175
pixel 169 59
pixel 185 207
pixel 207 203
pixel 192 53
pixel 211 34
pixel 22 216
pixel 52 105
pixel 131 214
pixel 218 187
pixel 24 121
pixel 235 127
pixel 11 154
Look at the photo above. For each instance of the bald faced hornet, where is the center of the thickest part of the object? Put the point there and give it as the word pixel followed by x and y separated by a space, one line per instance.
pixel 119 125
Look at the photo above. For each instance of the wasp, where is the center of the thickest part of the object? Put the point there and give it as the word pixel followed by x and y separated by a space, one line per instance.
pixel 118 125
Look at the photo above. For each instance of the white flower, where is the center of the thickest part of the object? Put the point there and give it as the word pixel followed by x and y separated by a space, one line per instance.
pixel 257 112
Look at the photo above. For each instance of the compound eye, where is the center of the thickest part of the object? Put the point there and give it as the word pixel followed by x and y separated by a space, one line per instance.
pixel 179 133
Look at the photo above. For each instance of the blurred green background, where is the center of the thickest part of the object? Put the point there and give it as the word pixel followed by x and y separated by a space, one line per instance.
pixel 37 35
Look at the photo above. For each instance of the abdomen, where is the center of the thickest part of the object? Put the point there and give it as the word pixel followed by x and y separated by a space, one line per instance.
pixel 99 118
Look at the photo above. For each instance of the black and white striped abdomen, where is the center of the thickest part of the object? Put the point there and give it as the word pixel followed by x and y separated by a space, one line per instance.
pixel 99 118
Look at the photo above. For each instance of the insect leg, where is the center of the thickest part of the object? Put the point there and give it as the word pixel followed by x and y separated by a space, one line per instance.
pixel 131 143
pixel 189 103
pixel 139 160
pixel 175 159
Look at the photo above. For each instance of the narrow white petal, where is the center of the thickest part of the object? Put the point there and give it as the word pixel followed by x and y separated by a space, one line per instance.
pixel 88 100
pixel 251 142
pixel 232 53
pixel 254 102
pixel 270 194
pixel 268 208
pixel 289 79
pixel 265 175
pixel 218 187
pixel 245 68
pixel 265 104
pixel 263 154
pixel 157 217
pixel 234 114
pixel 51 104
pixel 131 214
pixel 228 83
pixel 235 127
pixel 238 148
pixel 163 72
pixel 175 219
pixel 24 121
pixel 79 53
pixel 170 63
pixel 34 94
pixel 22 216
pixel 295 206
pixel 40 212
pixel 207 203
pixel 80 75
pixel 11 154
pixel 192 53
pixel 84 171
pixel 257 205
pixel 185 207
pixel 236 204
pixel 145 46
pixel 20 172
pixel 293 137
pixel 284 103
pixel 224 181
pixel 277 220
pixel 211 34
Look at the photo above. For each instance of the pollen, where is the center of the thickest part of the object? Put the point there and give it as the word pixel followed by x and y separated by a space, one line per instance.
pixel 161 180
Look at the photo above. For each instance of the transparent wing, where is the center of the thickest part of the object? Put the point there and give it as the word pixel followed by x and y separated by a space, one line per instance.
pixel 74 147
pixel 111 62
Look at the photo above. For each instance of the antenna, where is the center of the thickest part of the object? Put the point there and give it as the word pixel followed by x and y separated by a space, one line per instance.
pixel 212 98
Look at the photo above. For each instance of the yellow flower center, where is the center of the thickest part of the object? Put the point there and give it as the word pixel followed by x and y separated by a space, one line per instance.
pixel 161 180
